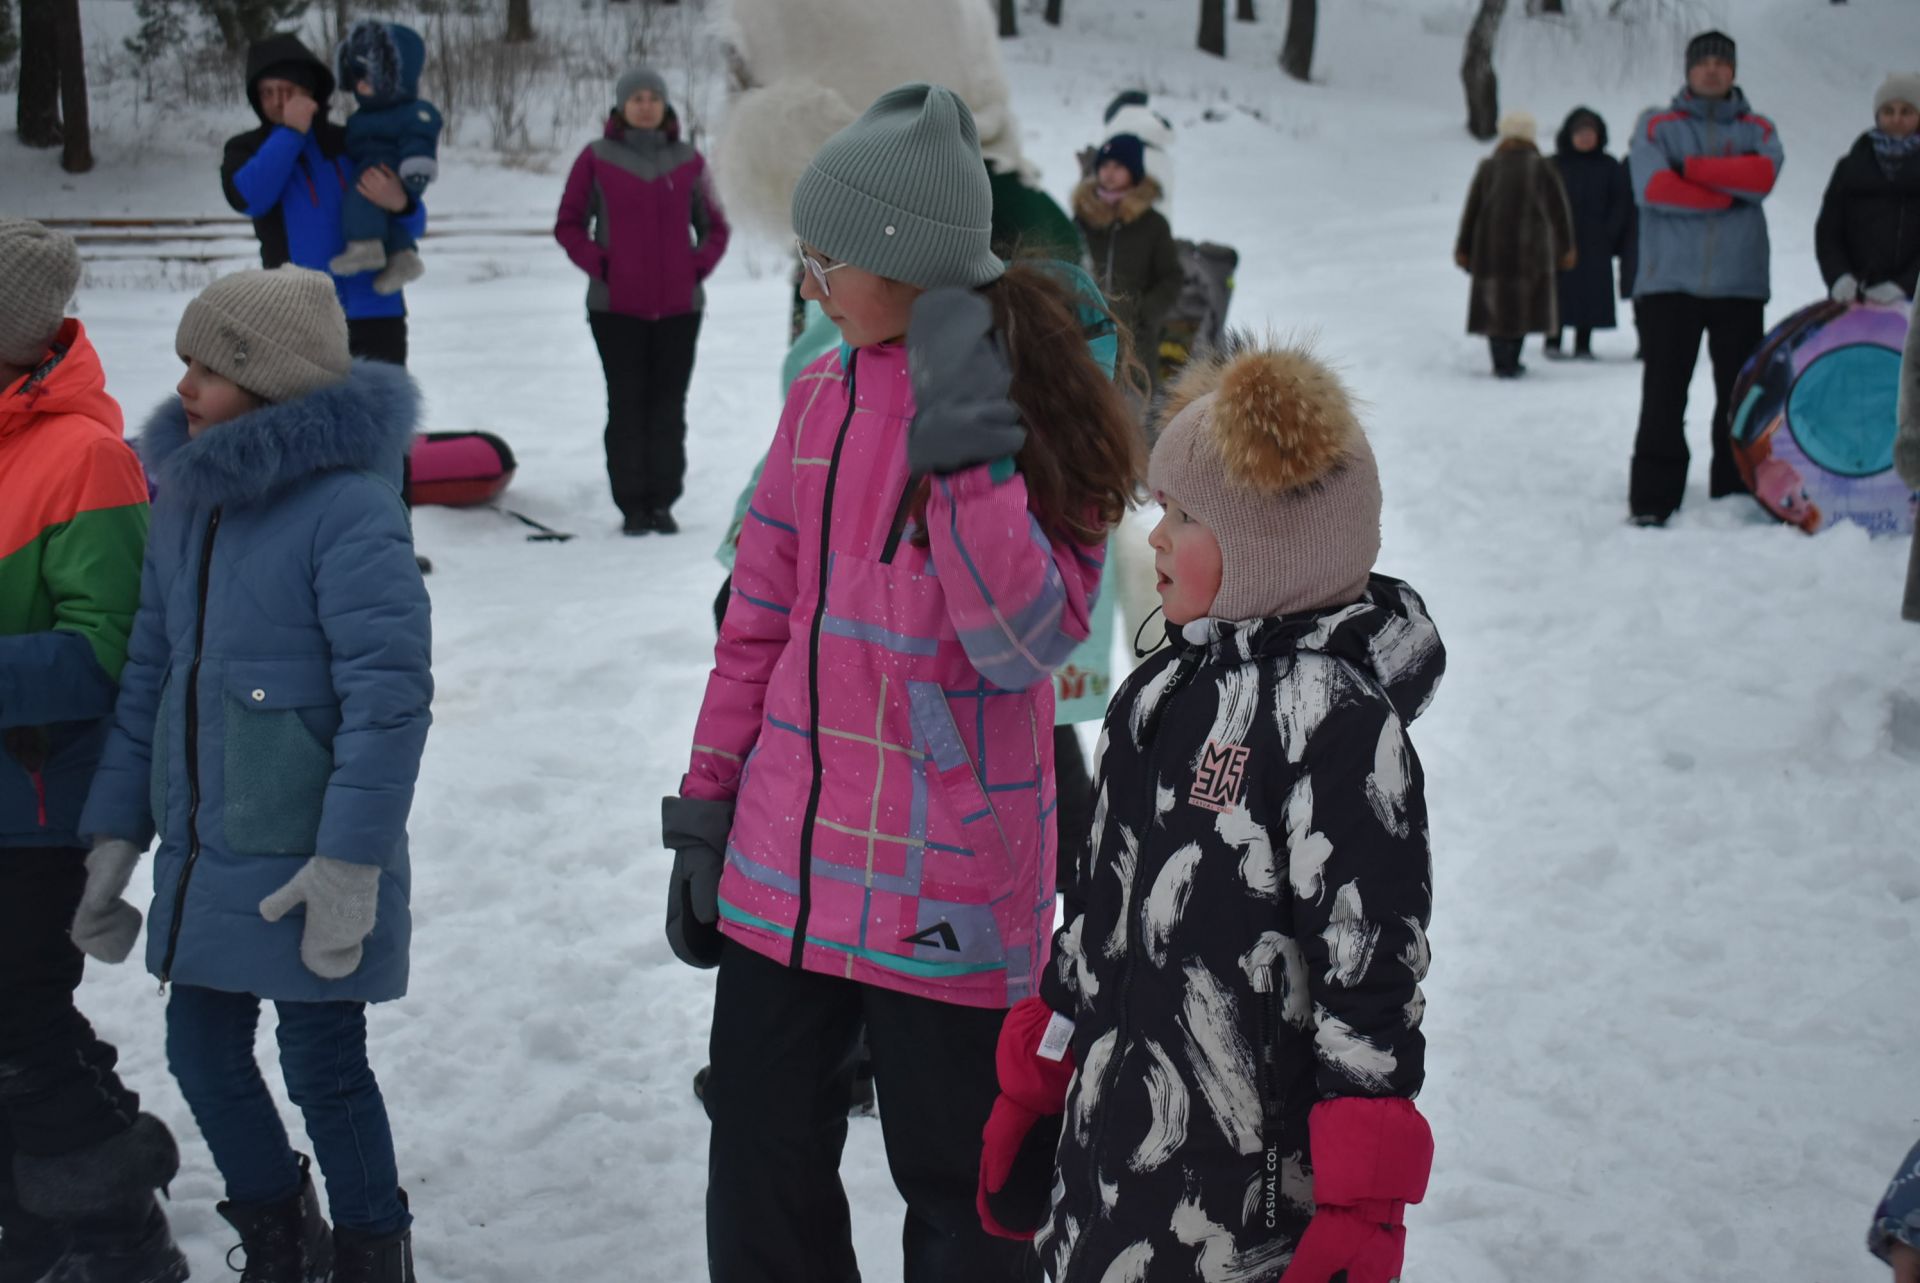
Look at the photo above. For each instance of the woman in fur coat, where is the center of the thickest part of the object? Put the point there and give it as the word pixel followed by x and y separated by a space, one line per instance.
pixel 1516 230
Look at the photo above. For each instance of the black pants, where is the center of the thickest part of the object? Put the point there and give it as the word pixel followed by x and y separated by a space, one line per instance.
pixel 379 338
pixel 648 365
pixel 1670 329
pixel 58 1089
pixel 1506 354
pixel 1582 339
pixel 1073 814
pixel 777 1095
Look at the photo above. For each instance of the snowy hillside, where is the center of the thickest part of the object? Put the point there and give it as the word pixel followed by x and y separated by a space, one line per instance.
pixel 1677 903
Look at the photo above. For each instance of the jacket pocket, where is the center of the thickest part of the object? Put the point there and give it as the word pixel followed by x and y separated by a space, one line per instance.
pixel 954 785
pixel 157 751
pixel 280 720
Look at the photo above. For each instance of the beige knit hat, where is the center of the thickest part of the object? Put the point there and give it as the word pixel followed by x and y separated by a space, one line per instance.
pixel 1264 448
pixel 39 271
pixel 279 334
pixel 1519 126
pixel 1899 86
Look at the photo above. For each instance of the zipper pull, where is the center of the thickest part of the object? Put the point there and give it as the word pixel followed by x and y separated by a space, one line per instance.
pixel 163 987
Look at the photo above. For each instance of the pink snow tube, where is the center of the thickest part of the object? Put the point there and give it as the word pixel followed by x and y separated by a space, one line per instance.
pixel 459 469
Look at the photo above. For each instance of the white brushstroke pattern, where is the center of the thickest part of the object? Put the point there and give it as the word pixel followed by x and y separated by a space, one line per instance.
pixel 1416 1008
pixel 1238 701
pixel 1165 796
pixel 1167 1107
pixel 1150 697
pixel 1220 1060
pixel 1417 955
pixel 1296 1183
pixel 1130 1265
pixel 1221 1259
pixel 1167 903
pixel 1239 830
pixel 1368 1064
pixel 1387 786
pixel 1070 962
pixel 1124 864
pixel 1307 851
pixel 1350 938
pixel 1087 1086
pixel 1301 703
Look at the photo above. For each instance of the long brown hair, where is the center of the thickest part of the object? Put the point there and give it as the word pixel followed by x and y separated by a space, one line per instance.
pixel 1085 453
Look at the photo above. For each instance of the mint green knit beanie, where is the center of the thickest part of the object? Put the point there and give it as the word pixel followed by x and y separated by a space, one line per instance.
pixel 902 193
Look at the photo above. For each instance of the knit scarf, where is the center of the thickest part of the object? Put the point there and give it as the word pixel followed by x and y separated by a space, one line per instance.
pixel 1893 152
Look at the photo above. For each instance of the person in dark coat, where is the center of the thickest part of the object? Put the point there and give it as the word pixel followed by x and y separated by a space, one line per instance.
pixel 640 218
pixel 1600 195
pixel 1238 987
pixel 1131 246
pixel 268 732
pixel 291 176
pixel 1868 235
pixel 1516 229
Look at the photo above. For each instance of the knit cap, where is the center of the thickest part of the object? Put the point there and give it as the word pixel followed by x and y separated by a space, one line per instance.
pixel 1127 150
pixel 1518 125
pixel 39 271
pixel 1899 86
pixel 1710 44
pixel 279 334
pixel 1265 450
pixel 902 193
pixel 633 81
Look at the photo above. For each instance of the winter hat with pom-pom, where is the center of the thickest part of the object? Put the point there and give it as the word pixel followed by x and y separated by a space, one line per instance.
pixel 1262 446
pixel 1518 126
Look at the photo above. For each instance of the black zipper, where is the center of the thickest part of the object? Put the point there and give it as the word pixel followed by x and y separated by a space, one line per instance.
pixel 812 813
pixel 193 752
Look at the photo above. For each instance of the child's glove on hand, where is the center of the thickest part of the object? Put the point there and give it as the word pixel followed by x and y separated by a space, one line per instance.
pixel 1022 1132
pixel 105 925
pixel 341 900
pixel 960 382
pixel 696 831
pixel 1371 1157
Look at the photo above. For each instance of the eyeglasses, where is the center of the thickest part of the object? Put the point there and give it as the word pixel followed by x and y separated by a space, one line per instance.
pixel 818 270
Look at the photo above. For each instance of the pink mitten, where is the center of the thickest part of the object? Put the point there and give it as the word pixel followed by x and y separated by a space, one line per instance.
pixel 1016 1154
pixel 1371 1157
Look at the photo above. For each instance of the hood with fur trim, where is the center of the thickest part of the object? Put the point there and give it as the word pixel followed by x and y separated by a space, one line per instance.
pixel 1097 214
pixel 365 423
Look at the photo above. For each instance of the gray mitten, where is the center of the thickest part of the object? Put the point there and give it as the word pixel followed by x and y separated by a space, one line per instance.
pixel 105 925
pixel 960 383
pixel 1886 294
pixel 697 833
pixel 341 901
pixel 1845 288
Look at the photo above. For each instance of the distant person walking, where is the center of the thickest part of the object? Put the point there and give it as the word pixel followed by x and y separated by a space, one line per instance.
pixel 1701 168
pixel 1515 231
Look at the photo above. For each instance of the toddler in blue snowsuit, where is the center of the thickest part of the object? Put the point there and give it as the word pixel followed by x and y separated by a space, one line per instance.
pixel 394 127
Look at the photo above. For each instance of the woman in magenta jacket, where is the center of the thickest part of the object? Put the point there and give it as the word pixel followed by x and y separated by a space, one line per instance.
pixel 639 217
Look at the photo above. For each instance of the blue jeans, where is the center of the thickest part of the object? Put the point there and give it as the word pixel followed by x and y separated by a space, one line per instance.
pixel 323 1058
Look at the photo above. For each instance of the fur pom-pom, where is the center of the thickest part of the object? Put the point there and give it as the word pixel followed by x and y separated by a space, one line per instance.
pixel 769 138
pixel 1279 415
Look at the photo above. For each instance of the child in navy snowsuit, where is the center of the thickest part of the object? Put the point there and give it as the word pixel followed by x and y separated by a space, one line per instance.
pixel 1895 1234
pixel 392 127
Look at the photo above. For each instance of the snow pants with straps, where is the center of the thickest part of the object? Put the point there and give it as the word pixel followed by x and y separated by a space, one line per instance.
pixel 777 1095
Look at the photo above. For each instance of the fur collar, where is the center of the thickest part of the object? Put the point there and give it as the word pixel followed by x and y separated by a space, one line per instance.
pixel 1516 144
pixel 365 423
pixel 1100 216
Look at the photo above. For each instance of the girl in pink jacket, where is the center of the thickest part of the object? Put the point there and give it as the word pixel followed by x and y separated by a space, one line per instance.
pixel 864 833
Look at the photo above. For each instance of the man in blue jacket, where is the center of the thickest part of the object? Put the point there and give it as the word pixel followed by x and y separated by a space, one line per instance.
pixel 1701 169
pixel 291 175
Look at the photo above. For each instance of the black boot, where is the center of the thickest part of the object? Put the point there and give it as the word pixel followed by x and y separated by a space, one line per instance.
pixel 131 1245
pixel 637 523
pixel 287 1241
pixel 663 522
pixel 29 1246
pixel 373 1258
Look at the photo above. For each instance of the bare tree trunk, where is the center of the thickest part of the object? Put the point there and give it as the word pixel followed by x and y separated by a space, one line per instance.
pixel 1243 12
pixel 1052 15
pixel 37 117
pixel 1009 20
pixel 1546 6
pixel 519 21
pixel 1476 70
pixel 1296 55
pixel 76 156
pixel 1213 27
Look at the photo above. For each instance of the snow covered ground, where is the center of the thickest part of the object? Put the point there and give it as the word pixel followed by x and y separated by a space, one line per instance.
pixel 1671 1014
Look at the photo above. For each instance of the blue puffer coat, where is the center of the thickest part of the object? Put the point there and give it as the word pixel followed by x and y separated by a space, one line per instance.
pixel 275 699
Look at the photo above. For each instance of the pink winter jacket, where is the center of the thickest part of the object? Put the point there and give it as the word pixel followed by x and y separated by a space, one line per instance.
pixel 885 727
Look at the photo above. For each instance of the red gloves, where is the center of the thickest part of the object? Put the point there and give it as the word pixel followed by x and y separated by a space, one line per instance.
pixel 1370 1159
pixel 1017 1147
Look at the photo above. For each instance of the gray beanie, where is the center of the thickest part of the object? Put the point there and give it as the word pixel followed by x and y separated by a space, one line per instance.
pixel 633 81
pixel 1264 449
pixel 279 334
pixel 39 271
pixel 1899 86
pixel 902 193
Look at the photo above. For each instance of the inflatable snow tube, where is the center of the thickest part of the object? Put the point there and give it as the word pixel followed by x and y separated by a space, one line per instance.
pixel 1814 419
pixel 459 469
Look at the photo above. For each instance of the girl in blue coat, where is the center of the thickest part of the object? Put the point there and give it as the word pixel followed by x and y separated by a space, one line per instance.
pixel 269 729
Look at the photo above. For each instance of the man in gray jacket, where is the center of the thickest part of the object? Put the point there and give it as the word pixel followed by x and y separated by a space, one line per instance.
pixel 1701 168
